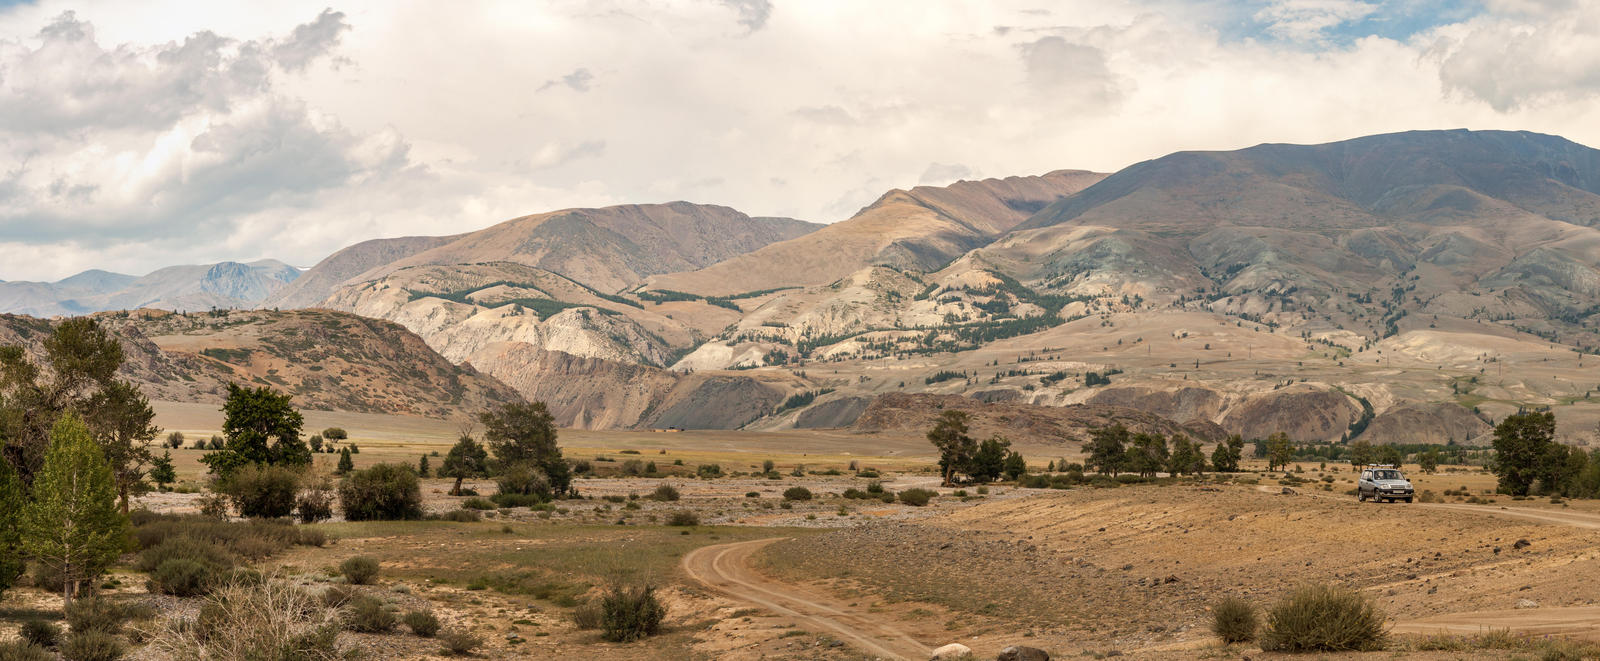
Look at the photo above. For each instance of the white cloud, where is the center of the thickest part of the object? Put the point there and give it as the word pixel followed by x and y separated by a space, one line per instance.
pixel 134 135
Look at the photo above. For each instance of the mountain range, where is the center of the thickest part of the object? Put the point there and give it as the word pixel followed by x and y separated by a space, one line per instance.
pixel 223 285
pixel 1402 288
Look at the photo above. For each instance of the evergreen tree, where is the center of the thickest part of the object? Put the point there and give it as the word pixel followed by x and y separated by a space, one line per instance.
pixel 1148 455
pixel 949 436
pixel 121 419
pixel 73 525
pixel 1522 443
pixel 82 360
pixel 1362 453
pixel 1279 451
pixel 525 434
pixel 12 500
pixel 261 427
pixel 1188 458
pixel 161 470
pixel 422 466
pixel 1015 466
pixel 989 461
pixel 466 458
pixel 1108 449
pixel 346 464
pixel 1227 455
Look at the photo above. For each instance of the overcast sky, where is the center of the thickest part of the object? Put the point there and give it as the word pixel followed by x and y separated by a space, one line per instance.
pixel 135 135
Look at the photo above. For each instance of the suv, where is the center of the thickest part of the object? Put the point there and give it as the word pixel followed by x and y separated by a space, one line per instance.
pixel 1383 483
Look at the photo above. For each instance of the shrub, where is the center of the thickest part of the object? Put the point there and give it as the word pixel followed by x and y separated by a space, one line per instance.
pixel 266 619
pixel 526 481
pixel 359 570
pixel 1323 618
pixel 752 494
pixel 587 617
pixel 184 548
pixel 183 577
pixel 314 505
pixel 422 623
pixel 461 516
pixel 214 506
pixel 336 596
pixel 886 497
pixel 629 613
pixel 1234 621
pixel 40 632
pixel 797 493
pixel 917 497
pixel 665 493
pixel 476 503
pixel 91 645
pixel 709 471
pixel 95 614
pixel 516 500
pixel 855 493
pixel 874 487
pixel 254 539
pixel 368 615
pixel 22 650
pixel 459 643
pixel 259 491
pixel 683 518
pixel 384 492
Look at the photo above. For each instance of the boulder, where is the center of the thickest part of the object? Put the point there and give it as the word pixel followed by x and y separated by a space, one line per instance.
pixel 1022 653
pixel 1527 603
pixel 951 651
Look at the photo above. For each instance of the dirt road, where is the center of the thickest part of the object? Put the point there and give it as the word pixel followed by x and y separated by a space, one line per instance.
pixel 725 568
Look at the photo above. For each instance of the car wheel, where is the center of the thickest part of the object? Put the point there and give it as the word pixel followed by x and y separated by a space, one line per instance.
pixel 1360 497
pixel 1408 500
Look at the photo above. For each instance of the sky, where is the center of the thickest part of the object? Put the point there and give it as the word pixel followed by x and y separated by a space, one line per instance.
pixel 141 135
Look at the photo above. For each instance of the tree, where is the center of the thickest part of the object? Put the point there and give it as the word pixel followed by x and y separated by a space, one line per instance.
pixel 1391 455
pixel 1225 458
pixel 261 427
pixel 1148 454
pixel 161 470
pixel 346 464
pixel 989 461
pixel 1362 453
pixel 121 419
pixel 1015 466
pixel 520 433
pixel 12 500
pixel 422 466
pixel 1522 442
pixel 316 443
pixel 335 434
pixel 73 526
pixel 949 436
pixel 1279 451
pixel 1428 461
pixel 466 458
pixel 1108 449
pixel 80 359
pixel 1188 458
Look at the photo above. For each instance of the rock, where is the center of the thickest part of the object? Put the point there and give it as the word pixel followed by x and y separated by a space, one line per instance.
pixel 1521 544
pixel 951 651
pixel 1287 491
pixel 1527 603
pixel 1022 653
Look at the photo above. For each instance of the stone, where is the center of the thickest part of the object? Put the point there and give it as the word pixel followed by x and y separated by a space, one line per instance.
pixel 951 651
pixel 1022 653
pixel 1527 603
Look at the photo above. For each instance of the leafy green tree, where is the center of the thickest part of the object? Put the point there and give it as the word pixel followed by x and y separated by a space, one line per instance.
pixel 161 470
pixel 316 443
pixel 346 464
pixel 989 462
pixel 466 458
pixel 1188 458
pixel 1108 449
pixel 121 420
pixel 1362 453
pixel 1015 465
pixel 1391 455
pixel 949 436
pixel 335 434
pixel 1279 451
pixel 1522 442
pixel 80 360
pixel 521 433
pixel 261 427
pixel 1148 454
pixel 1428 460
pixel 1227 455
pixel 12 501
pixel 73 525
pixel 1562 467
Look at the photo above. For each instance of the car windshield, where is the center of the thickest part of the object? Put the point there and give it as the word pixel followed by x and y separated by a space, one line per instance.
pixel 1386 475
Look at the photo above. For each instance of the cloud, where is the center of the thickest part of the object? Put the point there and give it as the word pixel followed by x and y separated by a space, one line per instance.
pixel 1540 52
pixel 1309 20
pixel 753 14
pixel 940 174
pixel 579 80
pixel 1071 72
pixel 310 41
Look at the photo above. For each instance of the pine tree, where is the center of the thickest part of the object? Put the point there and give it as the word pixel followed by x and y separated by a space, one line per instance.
pixel 467 458
pixel 345 463
pixel 11 504
pixel 73 525
pixel 956 448
pixel 161 470
pixel 422 466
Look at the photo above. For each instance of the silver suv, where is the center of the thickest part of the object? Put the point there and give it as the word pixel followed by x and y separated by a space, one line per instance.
pixel 1383 483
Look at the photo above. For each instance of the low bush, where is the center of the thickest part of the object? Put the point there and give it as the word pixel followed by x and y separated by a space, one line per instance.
pixel 422 623
pixel 266 619
pixel 366 614
pixel 96 614
pixel 40 632
pixel 917 497
pixel 875 487
pixel 1323 618
pixel 665 493
pixel 359 570
pixel 683 518
pixel 22 650
pixel 184 548
pixel 459 643
pixel 516 500
pixel 384 492
pixel 527 483
pixel 183 577
pixel 1234 621
pixel 629 613
pixel 261 491
pixel 460 516
pixel 752 494
pixel 336 596
pixel 708 471
pixel 587 617
pixel 797 493
pixel 314 505
pixel 886 497
pixel 252 540
pixel 92 646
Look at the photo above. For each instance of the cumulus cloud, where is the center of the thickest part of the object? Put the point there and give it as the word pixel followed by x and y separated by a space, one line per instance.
pixel 1307 20
pixel 1069 71
pixel 1537 52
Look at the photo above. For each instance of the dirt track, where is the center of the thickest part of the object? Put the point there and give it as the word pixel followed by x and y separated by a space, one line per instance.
pixel 725 568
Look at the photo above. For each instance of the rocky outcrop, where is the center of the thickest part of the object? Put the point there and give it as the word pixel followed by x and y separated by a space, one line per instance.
pixel 835 413
pixel 1304 412
pixel 1418 422
pixel 1054 425
pixel 1183 403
